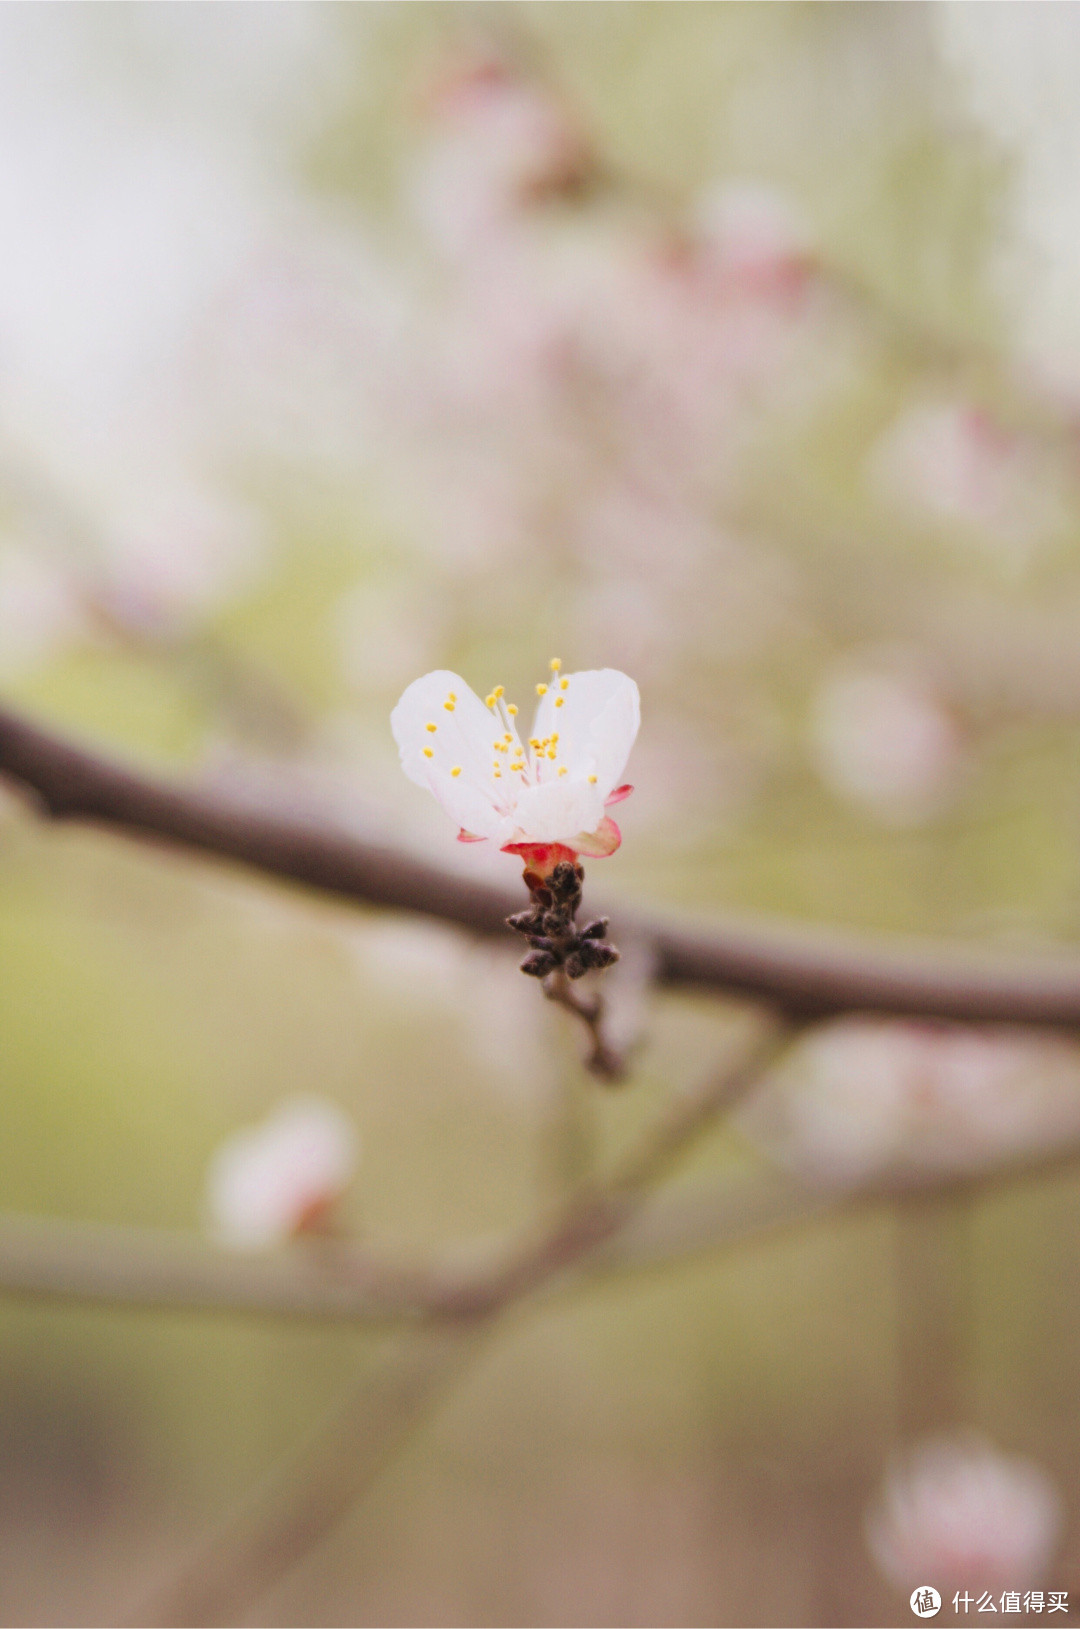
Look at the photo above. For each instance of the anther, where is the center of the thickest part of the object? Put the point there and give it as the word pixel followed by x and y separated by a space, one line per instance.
pixel 489 701
pixel 592 780
pixel 541 690
pixel 562 771
pixel 456 770
pixel 498 691
pixel 558 701
pixel 450 696
pixel 449 706
pixel 431 728
pixel 552 754
pixel 564 684
pixel 511 709
pixel 428 753
pixel 555 664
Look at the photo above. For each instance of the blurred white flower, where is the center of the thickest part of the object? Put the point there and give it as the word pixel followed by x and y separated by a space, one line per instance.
pixel 957 1512
pixel 177 558
pixel 273 1180
pixel 500 140
pixel 544 800
pixel 757 232
pixel 951 462
pixel 39 610
pixel 886 741
pixel 862 1096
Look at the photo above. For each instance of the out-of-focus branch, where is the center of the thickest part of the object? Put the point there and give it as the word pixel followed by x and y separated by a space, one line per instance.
pixel 304 1498
pixel 319 1279
pixel 153 1268
pixel 602 1059
pixel 314 1489
pixel 804 973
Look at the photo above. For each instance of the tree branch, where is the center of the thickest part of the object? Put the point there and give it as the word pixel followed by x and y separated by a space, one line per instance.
pixel 602 1059
pixel 310 1493
pixel 303 1499
pixel 804 973
pixel 161 1271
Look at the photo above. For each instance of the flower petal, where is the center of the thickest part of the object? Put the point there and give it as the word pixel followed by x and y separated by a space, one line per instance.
pixel 598 844
pixel 619 794
pixel 597 722
pixel 553 812
pixel 453 759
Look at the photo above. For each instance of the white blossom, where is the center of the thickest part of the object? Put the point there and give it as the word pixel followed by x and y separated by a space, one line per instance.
pixel 550 790
pixel 866 1095
pixel 885 740
pixel 270 1181
pixel 957 1512
pixel 950 463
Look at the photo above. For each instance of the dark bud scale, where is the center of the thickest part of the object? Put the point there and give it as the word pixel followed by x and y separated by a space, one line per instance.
pixel 549 926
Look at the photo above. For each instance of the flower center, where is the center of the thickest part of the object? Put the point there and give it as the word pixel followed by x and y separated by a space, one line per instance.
pixel 538 763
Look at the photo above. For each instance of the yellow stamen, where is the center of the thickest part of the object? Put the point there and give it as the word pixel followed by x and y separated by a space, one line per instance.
pixel 498 774
pixel 428 753
pixel 498 691
pixel 555 664
pixel 554 738
pixel 511 709
pixel 431 728
pixel 564 684
pixel 541 690
pixel 562 771
pixel 456 770
pixel 450 696
pixel 552 753
pixel 558 701
pixel 449 706
pixel 534 743
pixel 592 780
pixel 489 701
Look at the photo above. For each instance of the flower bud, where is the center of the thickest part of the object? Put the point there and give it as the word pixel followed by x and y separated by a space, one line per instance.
pixel 271 1181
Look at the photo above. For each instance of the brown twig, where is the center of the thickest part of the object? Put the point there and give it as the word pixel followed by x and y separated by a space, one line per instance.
pixel 161 1271
pixel 804 973
pixel 313 1490
pixel 602 1059
pixel 303 1499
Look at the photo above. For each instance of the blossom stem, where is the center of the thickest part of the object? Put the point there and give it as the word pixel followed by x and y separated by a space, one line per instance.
pixel 602 1059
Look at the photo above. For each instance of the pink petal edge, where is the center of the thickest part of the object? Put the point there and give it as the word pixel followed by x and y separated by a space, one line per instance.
pixel 464 836
pixel 598 844
pixel 618 795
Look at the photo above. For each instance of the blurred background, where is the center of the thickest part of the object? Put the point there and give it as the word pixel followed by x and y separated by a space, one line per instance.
pixel 737 347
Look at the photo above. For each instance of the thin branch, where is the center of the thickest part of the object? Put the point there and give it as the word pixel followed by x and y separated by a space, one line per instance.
pixel 303 1499
pixel 313 1490
pixel 155 1270
pixel 677 1227
pixel 601 1059
pixel 804 973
